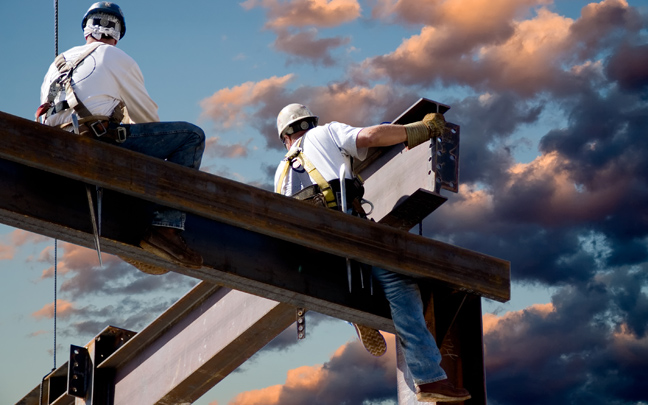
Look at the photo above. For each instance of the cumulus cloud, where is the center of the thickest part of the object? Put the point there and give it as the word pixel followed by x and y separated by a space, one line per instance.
pixel 215 148
pixel 583 347
pixel 228 107
pixel 115 294
pixel 64 309
pixel 493 48
pixel 259 103
pixel 296 24
pixel 303 13
pixel 335 382
pixel 305 45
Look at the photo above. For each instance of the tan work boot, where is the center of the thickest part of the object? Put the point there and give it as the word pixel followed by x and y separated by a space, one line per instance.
pixel 168 244
pixel 371 339
pixel 441 391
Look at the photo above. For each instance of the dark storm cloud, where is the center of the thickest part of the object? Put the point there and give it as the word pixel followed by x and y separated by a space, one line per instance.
pixel 589 347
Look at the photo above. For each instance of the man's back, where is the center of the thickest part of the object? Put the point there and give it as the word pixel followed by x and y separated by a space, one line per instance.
pixel 106 77
pixel 327 147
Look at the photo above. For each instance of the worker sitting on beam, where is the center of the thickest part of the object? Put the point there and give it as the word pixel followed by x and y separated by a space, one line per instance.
pixel 311 171
pixel 97 90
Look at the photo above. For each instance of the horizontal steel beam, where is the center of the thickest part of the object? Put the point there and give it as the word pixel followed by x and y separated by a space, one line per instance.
pixel 246 207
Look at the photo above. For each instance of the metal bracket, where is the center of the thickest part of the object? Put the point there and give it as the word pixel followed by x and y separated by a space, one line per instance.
pixel 301 323
pixel 79 372
pixel 446 159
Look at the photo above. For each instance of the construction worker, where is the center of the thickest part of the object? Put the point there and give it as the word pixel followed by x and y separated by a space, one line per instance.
pixel 311 171
pixel 97 90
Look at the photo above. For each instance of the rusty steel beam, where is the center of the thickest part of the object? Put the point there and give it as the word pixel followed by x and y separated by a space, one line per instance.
pixel 242 206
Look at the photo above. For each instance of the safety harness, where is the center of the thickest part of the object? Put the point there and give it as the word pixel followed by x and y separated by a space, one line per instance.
pixel 323 192
pixel 97 125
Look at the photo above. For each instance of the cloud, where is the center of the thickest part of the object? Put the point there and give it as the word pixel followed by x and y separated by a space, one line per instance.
pixel 227 107
pixel 492 48
pixel 583 347
pixel 259 103
pixel 303 13
pixel 215 148
pixel 305 45
pixel 64 309
pixel 351 376
pixel 296 24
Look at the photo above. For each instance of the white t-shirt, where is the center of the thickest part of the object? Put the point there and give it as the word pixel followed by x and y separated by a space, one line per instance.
pixel 105 77
pixel 327 147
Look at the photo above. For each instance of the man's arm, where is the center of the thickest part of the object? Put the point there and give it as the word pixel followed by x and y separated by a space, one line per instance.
pixel 414 134
pixel 381 135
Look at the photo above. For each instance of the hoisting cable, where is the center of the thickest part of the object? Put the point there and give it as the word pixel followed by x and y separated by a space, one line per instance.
pixel 40 395
pixel 56 19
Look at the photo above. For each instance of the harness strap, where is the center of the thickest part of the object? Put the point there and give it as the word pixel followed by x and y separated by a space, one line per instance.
pixel 298 155
pixel 66 70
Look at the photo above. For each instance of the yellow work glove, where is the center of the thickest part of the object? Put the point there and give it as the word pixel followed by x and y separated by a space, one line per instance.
pixel 418 132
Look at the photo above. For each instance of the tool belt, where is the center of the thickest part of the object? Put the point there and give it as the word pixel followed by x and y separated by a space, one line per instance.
pixel 354 191
pixel 100 127
pixel 104 129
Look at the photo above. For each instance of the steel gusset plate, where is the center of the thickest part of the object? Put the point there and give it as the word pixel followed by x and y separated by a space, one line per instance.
pixel 446 159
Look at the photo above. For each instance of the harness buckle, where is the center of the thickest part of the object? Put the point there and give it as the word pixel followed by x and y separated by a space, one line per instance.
pixel 122 134
pixel 103 127
pixel 291 156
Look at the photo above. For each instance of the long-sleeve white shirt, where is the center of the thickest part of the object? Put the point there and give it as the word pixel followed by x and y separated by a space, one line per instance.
pixel 108 75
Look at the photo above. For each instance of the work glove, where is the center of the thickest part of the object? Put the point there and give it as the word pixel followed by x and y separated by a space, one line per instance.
pixel 418 132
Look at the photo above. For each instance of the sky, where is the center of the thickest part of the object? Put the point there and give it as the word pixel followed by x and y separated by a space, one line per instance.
pixel 552 100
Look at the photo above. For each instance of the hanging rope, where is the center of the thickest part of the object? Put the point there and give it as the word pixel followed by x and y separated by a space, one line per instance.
pixel 55 28
pixel 55 292
pixel 55 240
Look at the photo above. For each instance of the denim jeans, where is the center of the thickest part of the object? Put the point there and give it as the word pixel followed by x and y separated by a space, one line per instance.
pixel 178 142
pixel 422 355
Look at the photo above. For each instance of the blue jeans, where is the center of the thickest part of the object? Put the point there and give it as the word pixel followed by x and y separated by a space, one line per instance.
pixel 178 142
pixel 422 355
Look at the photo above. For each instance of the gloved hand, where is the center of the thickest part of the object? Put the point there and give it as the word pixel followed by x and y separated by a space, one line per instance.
pixel 431 126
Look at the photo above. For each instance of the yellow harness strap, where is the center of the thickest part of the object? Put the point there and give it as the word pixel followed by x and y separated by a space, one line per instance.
pixel 298 155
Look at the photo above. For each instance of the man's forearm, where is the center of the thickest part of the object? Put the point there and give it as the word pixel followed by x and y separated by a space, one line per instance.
pixel 381 135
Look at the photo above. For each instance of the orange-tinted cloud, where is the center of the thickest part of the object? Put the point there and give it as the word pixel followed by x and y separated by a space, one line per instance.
pixel 303 13
pixel 492 322
pixel 215 148
pixel 227 107
pixel 490 45
pixel 73 258
pixel 64 309
pixel 316 382
pixel 562 199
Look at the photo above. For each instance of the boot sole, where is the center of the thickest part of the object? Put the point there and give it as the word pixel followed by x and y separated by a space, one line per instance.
pixel 372 340
pixel 162 253
pixel 429 397
pixel 145 267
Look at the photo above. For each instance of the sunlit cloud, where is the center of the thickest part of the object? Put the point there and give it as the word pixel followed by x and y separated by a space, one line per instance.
pixel 64 309
pixel 335 382
pixel 227 107
pixel 302 13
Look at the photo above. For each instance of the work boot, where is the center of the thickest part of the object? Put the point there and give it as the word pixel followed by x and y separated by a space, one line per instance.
pixel 371 339
pixel 441 391
pixel 168 244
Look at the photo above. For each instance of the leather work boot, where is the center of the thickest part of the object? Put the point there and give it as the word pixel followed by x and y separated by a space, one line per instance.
pixel 168 244
pixel 441 391
pixel 371 339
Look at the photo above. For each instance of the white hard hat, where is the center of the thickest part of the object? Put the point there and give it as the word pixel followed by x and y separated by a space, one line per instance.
pixel 291 114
